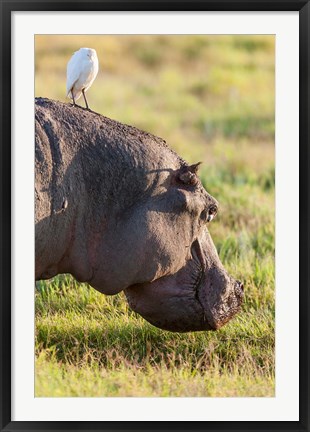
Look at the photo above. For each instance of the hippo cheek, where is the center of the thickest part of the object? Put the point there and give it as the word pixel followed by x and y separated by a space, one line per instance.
pixel 200 296
pixel 167 305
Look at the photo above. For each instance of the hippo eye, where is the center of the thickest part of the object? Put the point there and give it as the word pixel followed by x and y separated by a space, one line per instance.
pixel 209 213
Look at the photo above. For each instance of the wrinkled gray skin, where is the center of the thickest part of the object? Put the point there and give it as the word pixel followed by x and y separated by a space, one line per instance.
pixel 116 208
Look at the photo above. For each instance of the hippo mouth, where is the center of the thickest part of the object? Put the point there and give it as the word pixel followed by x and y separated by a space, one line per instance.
pixel 200 296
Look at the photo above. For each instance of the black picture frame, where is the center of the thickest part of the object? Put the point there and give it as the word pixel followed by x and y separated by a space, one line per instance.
pixel 7 7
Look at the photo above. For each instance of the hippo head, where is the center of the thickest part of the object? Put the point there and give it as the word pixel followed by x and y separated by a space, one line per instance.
pixel 117 208
pixel 162 247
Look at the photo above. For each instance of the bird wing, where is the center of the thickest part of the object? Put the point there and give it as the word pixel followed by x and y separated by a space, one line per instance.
pixel 73 70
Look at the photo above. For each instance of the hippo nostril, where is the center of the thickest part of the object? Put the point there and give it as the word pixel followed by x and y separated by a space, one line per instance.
pixel 240 285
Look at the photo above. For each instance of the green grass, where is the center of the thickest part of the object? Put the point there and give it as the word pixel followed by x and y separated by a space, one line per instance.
pixel 212 99
pixel 88 344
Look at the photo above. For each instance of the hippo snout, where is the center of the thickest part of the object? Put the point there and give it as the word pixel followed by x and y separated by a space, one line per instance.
pixel 177 303
pixel 221 296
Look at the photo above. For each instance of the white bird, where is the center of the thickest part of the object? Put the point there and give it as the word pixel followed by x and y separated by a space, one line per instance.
pixel 82 69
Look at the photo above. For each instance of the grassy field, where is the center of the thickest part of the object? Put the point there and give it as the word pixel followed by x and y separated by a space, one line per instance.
pixel 212 99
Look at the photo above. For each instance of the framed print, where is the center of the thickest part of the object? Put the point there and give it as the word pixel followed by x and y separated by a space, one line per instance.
pixel 124 305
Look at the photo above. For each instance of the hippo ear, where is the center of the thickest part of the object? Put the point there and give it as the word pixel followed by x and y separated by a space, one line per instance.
pixel 187 174
pixel 194 168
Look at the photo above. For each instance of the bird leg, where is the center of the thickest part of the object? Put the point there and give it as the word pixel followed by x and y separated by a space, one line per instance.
pixel 85 99
pixel 72 97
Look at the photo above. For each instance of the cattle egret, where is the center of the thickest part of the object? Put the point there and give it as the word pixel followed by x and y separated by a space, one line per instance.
pixel 82 69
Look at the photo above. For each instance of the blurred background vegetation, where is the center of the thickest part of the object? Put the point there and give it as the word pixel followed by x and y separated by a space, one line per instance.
pixel 212 99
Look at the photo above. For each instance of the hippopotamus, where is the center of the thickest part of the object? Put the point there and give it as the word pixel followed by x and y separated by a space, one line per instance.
pixel 118 209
